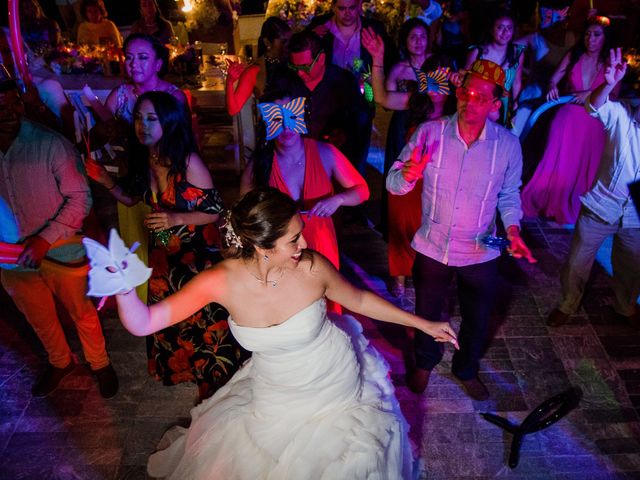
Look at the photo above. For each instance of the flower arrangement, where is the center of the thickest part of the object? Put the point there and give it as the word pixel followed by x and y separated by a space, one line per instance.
pixel 72 58
pixel 389 12
pixel 297 13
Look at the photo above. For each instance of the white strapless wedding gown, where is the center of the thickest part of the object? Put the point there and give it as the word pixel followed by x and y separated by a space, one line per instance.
pixel 313 402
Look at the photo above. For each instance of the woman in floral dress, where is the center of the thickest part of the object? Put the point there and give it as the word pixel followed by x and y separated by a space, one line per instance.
pixel 173 180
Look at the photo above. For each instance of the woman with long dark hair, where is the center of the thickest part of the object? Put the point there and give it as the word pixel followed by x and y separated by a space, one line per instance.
pixel 167 173
pixel 575 142
pixel 498 46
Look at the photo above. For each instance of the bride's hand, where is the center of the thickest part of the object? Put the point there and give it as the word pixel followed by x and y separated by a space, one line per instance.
pixel 441 332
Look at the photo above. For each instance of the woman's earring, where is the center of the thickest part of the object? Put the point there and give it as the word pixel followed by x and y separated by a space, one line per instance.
pixel 266 258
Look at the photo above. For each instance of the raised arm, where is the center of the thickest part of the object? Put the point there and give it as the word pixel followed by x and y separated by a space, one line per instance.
pixel 371 305
pixel 99 174
pixel 391 100
pixel 613 74
pixel 241 82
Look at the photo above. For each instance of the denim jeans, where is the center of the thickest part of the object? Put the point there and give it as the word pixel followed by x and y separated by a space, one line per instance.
pixel 476 293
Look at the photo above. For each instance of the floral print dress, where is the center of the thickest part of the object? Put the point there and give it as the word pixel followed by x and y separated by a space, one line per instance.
pixel 200 349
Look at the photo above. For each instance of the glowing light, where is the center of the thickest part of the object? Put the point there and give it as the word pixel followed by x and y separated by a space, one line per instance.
pixel 187 7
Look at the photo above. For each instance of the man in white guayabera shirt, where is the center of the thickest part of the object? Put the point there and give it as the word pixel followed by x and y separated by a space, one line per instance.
pixel 471 167
pixel 607 208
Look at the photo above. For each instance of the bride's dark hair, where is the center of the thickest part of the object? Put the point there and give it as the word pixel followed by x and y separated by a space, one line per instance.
pixel 259 219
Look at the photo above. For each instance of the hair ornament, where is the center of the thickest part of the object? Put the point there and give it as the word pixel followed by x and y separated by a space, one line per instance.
pixel 230 237
pixel 599 20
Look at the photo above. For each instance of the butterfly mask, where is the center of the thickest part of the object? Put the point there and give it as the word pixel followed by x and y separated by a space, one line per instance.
pixel 435 81
pixel 277 117
pixel 114 270
pixel 550 16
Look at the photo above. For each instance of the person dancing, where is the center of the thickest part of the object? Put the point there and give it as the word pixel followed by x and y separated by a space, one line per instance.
pixel 315 400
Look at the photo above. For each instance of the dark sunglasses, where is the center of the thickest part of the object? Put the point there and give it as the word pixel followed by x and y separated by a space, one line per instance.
pixel 305 68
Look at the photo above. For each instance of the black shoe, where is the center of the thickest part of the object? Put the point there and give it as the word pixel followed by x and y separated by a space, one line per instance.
pixel 107 381
pixel 632 320
pixel 418 379
pixel 475 389
pixel 50 379
pixel 557 318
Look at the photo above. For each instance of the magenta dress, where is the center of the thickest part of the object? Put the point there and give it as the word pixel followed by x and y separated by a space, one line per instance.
pixel 570 161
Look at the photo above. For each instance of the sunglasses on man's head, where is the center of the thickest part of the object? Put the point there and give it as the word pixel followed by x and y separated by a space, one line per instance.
pixel 305 68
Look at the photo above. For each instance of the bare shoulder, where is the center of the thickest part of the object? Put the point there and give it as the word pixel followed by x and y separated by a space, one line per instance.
pixel 316 265
pixel 197 172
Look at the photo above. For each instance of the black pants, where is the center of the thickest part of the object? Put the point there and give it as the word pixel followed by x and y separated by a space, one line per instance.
pixel 476 293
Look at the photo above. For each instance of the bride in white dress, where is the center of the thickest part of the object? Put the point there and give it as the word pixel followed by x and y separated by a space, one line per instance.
pixel 315 400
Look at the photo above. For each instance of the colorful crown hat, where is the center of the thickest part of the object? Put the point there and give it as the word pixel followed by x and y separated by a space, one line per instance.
pixel 488 71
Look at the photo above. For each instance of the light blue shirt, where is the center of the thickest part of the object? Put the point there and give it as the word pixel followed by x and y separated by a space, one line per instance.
pixel 609 199
pixel 463 186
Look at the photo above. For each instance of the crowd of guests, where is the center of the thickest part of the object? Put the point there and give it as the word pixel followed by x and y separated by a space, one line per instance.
pixel 453 162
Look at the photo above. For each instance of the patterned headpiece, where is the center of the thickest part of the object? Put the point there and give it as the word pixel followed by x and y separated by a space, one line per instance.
pixel 231 238
pixel 290 115
pixel 435 81
pixel 488 71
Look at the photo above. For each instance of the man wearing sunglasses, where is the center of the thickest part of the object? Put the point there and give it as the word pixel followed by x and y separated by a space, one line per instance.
pixel 340 31
pixel 336 111
pixel 471 169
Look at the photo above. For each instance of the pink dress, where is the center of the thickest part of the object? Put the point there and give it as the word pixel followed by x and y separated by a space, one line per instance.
pixel 570 161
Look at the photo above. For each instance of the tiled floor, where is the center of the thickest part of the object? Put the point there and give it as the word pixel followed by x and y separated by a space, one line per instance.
pixel 75 434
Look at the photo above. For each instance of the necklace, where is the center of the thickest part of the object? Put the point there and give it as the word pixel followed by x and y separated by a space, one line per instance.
pixel 264 281
pixel 271 60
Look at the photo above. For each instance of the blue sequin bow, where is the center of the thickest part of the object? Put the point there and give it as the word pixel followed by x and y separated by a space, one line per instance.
pixel 434 81
pixel 277 117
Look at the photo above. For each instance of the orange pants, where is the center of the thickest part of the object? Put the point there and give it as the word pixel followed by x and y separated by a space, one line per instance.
pixel 33 294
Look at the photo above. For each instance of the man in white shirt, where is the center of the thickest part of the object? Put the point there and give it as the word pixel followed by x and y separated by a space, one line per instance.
pixel 607 208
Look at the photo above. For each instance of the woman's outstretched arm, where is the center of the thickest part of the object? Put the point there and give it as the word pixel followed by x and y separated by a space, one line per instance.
pixel 371 305
pixel 141 319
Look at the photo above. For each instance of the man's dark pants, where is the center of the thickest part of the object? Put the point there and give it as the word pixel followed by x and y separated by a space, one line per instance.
pixel 476 293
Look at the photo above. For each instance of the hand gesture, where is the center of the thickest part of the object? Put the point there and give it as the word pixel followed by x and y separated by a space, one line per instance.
pixel 616 67
pixel 553 93
pixel 581 97
pixel 456 78
pixel 35 248
pixel 327 206
pixel 374 44
pixel 98 173
pixel 442 332
pixel 234 69
pixel 413 168
pixel 518 248
pixel 159 221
